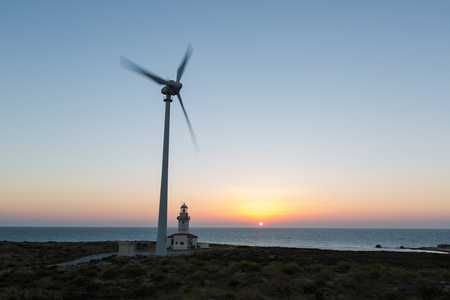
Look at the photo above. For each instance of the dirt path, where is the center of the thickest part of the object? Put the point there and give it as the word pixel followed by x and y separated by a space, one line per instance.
pixel 103 255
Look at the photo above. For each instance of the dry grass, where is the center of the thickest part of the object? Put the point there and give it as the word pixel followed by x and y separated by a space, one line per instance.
pixel 227 273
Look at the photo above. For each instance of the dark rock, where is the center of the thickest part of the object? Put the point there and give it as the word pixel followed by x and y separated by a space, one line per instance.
pixel 378 246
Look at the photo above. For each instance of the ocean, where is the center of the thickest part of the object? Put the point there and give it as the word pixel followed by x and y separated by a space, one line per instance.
pixel 319 238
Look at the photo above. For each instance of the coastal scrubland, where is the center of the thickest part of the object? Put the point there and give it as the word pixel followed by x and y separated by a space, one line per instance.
pixel 28 271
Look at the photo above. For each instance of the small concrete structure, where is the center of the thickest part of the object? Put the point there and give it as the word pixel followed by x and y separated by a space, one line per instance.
pixel 127 248
pixel 203 245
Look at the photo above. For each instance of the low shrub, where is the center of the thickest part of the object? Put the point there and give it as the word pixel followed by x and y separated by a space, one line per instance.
pixel 110 274
pixel 393 296
pixel 135 272
pixel 322 278
pixel 316 268
pixel 233 283
pixel 309 288
pixel 343 266
pixel 92 287
pixel 254 267
pixel 51 287
pixel 290 269
pixel 158 277
pixel 165 261
pixel 429 292
pixel 81 281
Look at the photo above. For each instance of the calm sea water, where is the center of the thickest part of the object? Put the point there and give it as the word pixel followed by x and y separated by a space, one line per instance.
pixel 334 239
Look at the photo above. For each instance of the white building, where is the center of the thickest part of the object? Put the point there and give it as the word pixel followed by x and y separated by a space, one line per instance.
pixel 183 240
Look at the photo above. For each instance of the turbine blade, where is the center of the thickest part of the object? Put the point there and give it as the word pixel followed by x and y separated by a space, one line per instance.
pixel 191 131
pixel 125 63
pixel 183 63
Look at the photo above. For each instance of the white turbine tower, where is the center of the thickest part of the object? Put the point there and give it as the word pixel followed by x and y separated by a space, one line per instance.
pixel 170 89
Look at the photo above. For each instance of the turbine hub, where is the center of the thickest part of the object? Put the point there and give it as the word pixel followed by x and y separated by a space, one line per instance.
pixel 172 88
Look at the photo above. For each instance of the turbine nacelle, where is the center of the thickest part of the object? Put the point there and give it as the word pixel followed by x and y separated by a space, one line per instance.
pixel 172 88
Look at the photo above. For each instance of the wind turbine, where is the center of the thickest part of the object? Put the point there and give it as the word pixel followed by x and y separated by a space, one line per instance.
pixel 171 88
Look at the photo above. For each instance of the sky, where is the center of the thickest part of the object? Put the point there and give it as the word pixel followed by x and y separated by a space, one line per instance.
pixel 307 113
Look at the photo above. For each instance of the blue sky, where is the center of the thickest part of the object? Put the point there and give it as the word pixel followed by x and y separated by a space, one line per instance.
pixel 335 109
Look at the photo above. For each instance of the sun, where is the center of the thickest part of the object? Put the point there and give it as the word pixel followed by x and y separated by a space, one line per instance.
pixel 261 223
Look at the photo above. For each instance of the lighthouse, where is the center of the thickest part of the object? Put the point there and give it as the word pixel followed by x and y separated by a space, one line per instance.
pixel 183 240
pixel 183 219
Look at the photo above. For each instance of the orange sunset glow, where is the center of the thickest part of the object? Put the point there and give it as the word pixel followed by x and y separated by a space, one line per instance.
pixel 278 207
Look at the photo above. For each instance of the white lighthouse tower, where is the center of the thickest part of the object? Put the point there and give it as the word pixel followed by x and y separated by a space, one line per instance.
pixel 183 219
pixel 183 240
